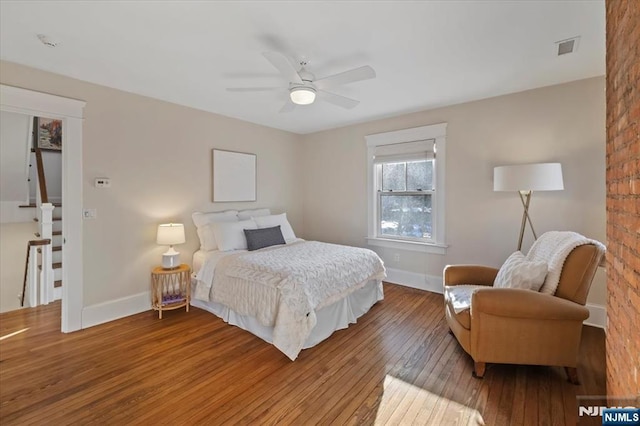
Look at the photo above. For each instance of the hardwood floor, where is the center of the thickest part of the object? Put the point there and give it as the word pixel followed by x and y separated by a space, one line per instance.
pixel 397 365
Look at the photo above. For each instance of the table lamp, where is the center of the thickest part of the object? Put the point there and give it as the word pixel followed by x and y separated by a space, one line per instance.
pixel 170 234
pixel 526 178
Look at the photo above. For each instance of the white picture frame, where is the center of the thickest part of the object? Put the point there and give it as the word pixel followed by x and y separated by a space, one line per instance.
pixel 234 176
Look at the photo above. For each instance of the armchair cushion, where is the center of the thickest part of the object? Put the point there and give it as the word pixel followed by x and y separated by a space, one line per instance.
pixel 517 272
pixel 459 296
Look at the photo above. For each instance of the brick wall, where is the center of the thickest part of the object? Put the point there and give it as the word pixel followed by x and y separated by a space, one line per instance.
pixel 623 197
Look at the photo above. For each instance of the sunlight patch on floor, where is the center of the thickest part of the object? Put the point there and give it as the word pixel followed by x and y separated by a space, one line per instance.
pixel 403 403
pixel 6 336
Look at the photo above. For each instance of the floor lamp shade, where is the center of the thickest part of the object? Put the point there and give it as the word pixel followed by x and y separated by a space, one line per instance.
pixel 526 178
pixel 170 234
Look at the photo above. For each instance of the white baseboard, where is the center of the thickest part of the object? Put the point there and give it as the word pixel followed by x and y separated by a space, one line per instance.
pixel 433 283
pixel 57 293
pixel 597 316
pixel 115 309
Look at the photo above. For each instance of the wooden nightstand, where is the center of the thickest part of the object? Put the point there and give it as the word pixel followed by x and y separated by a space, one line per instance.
pixel 170 288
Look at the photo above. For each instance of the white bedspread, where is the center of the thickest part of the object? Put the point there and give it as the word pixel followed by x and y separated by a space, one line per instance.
pixel 283 286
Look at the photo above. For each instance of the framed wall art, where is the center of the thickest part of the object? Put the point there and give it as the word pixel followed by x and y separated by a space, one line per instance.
pixel 234 176
pixel 48 133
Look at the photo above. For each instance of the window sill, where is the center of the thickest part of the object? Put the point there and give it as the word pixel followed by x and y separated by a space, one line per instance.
pixel 408 245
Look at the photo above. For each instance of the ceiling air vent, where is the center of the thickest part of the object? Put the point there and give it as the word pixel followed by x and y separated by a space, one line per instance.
pixel 569 45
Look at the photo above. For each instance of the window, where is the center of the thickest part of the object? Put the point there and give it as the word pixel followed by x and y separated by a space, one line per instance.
pixel 406 189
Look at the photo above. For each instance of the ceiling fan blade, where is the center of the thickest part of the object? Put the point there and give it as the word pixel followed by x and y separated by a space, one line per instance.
pixel 357 74
pixel 253 89
pixel 341 101
pixel 288 107
pixel 283 65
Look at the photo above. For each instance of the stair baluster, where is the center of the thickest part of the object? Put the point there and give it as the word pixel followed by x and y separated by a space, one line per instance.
pixel 46 273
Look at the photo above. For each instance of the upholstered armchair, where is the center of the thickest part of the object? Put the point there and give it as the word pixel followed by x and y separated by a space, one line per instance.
pixel 517 326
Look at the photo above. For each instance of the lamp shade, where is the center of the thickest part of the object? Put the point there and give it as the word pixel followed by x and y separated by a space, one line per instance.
pixel 302 95
pixel 528 177
pixel 170 234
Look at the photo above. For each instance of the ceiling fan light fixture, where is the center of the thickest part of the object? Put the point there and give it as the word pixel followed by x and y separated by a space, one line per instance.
pixel 302 95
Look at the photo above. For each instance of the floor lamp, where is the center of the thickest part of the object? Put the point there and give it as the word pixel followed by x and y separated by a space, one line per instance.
pixel 526 178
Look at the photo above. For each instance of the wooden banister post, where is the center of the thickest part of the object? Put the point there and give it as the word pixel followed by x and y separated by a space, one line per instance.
pixel 31 272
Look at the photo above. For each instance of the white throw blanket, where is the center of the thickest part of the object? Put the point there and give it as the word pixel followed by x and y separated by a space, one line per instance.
pixel 283 286
pixel 553 247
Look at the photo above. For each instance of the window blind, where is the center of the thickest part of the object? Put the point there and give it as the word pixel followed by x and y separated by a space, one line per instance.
pixel 405 151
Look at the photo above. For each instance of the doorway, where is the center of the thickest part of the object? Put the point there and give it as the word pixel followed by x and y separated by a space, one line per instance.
pixel 70 111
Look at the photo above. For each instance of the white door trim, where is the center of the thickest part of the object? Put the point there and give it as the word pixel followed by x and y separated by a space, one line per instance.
pixel 71 112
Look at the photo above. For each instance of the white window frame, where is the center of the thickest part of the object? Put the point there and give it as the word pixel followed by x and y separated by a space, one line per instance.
pixel 436 132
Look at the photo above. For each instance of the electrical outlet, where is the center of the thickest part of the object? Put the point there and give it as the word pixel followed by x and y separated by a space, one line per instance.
pixel 396 257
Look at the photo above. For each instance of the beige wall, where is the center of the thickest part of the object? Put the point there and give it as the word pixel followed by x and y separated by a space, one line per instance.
pixel 563 123
pixel 14 136
pixel 158 156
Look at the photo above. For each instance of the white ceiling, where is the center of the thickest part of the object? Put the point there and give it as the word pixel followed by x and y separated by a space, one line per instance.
pixel 426 54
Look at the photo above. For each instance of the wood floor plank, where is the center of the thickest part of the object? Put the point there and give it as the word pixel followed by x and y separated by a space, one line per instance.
pixel 335 349
pixel 345 381
pixel 519 396
pixel 397 365
pixel 400 402
pixel 305 408
pixel 533 384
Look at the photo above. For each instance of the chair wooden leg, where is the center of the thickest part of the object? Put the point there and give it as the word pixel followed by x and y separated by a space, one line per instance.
pixel 572 374
pixel 478 369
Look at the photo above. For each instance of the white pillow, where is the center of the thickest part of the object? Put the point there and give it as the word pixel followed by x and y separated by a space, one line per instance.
pixel 248 214
pixel 517 272
pixel 203 223
pixel 275 220
pixel 230 235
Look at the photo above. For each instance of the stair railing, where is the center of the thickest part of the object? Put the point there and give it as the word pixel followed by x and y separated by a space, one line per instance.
pixel 41 183
pixel 31 272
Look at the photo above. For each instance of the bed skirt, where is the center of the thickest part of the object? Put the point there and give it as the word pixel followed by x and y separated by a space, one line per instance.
pixel 336 316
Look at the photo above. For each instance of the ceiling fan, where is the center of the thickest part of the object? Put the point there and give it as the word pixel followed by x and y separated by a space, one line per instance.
pixel 304 88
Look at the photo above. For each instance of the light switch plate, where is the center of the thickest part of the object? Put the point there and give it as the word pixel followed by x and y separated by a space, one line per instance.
pixel 89 213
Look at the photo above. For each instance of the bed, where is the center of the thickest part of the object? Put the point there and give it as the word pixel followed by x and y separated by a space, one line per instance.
pixel 293 295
